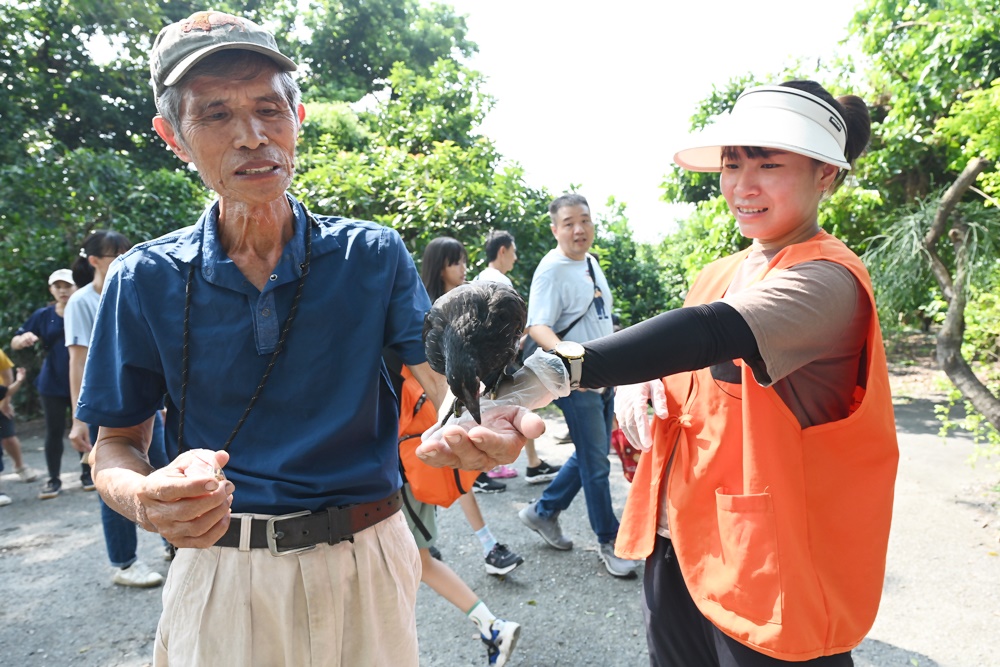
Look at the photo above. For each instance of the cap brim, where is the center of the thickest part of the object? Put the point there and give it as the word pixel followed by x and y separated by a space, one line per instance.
pixel 764 128
pixel 179 70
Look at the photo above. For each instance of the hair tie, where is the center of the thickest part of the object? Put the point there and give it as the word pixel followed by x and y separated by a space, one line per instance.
pixel 83 253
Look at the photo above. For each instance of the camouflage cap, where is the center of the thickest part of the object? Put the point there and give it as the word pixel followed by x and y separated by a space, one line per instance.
pixel 181 45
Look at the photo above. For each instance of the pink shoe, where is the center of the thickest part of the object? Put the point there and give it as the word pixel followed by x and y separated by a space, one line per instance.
pixel 502 472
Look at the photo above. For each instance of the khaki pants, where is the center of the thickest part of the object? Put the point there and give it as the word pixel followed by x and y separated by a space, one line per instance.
pixel 349 605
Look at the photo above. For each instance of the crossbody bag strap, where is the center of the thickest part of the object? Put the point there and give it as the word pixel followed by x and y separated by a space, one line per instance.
pixel 593 277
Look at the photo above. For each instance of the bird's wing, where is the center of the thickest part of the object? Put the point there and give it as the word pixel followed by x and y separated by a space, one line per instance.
pixel 435 324
pixel 506 315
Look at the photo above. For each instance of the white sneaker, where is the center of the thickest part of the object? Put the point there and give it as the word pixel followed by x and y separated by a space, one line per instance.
pixel 138 575
pixel 4 499
pixel 501 642
pixel 26 474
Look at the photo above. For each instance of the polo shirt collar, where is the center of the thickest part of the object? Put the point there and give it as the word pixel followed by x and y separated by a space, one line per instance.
pixel 199 244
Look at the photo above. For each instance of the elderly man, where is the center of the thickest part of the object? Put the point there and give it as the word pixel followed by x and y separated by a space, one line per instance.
pixel 263 327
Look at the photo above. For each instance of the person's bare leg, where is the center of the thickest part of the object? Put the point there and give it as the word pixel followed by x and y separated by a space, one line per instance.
pixel 529 451
pixel 470 507
pixel 12 446
pixel 446 583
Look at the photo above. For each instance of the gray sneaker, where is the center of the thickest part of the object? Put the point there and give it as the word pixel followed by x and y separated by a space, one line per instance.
pixel 618 567
pixel 547 527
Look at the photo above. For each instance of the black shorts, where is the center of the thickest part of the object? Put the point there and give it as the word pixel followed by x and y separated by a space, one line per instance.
pixel 7 429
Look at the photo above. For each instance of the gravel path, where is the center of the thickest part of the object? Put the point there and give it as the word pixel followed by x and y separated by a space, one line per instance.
pixel 941 606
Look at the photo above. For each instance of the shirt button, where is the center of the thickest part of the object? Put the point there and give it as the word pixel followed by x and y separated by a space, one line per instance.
pixel 274 276
pixel 266 312
pixel 208 271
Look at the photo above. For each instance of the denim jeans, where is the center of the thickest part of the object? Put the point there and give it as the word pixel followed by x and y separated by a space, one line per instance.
pixel 120 537
pixel 588 415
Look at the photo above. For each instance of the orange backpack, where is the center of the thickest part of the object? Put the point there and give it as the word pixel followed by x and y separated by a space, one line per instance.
pixel 434 486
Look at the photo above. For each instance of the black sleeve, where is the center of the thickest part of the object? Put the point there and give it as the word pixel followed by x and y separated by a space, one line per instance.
pixel 685 339
pixel 3 391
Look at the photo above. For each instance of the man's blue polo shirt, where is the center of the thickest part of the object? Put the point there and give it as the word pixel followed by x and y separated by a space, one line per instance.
pixel 324 430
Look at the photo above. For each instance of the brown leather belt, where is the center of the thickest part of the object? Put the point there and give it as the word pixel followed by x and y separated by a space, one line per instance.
pixel 292 533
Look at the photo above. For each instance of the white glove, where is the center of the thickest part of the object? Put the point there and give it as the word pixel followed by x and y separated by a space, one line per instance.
pixel 541 368
pixel 631 403
pixel 541 380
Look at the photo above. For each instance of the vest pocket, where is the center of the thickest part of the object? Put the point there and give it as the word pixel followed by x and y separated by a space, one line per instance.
pixel 746 580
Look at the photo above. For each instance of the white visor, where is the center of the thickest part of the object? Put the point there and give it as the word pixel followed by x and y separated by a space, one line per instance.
pixel 779 117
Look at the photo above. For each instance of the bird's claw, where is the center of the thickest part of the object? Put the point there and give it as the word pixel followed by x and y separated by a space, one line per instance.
pixel 492 391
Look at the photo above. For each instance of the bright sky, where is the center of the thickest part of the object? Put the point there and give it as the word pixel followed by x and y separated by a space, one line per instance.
pixel 600 93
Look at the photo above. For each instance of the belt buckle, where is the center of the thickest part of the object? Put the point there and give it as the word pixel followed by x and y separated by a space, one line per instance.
pixel 272 540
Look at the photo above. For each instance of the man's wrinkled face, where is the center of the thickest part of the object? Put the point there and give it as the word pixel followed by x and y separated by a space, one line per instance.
pixel 240 134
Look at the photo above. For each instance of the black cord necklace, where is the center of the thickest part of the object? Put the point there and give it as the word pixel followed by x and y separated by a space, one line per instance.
pixel 185 356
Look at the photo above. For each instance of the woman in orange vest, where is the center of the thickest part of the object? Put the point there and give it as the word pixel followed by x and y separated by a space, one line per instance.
pixel 763 500
pixel 763 504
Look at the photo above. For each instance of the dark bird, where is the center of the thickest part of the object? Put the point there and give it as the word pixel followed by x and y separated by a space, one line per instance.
pixel 471 335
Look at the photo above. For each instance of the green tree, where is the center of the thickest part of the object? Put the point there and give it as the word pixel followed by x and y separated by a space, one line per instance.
pixel 632 269
pixel 40 233
pixel 62 106
pixel 352 44
pixel 424 168
pixel 921 205
pixel 934 67
pixel 922 57
pixel 57 97
pixel 445 104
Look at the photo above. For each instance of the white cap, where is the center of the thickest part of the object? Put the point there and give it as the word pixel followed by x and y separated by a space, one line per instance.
pixel 64 275
pixel 779 117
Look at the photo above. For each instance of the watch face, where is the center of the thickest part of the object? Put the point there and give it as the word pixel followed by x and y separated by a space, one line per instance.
pixel 569 349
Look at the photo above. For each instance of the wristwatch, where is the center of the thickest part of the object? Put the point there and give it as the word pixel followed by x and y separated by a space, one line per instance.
pixel 571 353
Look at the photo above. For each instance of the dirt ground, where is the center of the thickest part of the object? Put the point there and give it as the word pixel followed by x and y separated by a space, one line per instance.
pixel 940 606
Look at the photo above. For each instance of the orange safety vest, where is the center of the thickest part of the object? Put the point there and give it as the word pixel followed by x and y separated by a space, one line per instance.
pixel 780 533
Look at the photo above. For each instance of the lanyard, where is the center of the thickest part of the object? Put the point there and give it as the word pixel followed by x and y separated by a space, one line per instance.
pixel 185 356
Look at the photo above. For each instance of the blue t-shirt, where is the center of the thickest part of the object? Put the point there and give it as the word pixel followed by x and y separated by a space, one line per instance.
pixel 324 430
pixel 47 324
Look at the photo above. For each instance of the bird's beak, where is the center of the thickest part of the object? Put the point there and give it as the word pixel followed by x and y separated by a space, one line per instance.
pixel 470 398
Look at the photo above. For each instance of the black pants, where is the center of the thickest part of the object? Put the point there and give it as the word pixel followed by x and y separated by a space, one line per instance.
pixel 678 635
pixel 56 409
